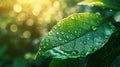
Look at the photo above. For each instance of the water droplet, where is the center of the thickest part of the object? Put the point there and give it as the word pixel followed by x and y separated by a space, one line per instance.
pixel 95 48
pixel 75 32
pixel 67 36
pixel 87 53
pixel 44 46
pixel 94 28
pixel 55 27
pixel 75 52
pixel 103 7
pixel 47 44
pixel 39 49
pixel 117 17
pixel 68 30
pixel 53 45
pixel 88 38
pixel 110 9
pixel 72 17
pixel 98 13
pixel 59 38
pixel 85 42
pixel 47 40
pixel 59 25
pixel 65 40
pixel 62 32
pixel 57 33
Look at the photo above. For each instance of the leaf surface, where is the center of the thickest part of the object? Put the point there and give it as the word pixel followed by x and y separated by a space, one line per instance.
pixel 115 4
pixel 76 36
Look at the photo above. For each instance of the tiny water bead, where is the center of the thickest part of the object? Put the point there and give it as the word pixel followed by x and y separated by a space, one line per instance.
pixel 94 27
pixel 57 33
pixel 75 52
pixel 44 46
pixel 66 41
pixel 47 44
pixel 59 38
pixel 75 32
pixel 72 17
pixel 69 31
pixel 117 17
pixel 111 10
pixel 67 36
pixel 87 53
pixel 98 13
pixel 47 40
pixel 88 38
pixel 62 32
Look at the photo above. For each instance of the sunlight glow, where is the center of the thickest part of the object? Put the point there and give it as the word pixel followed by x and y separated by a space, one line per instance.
pixel 36 9
pixel 17 8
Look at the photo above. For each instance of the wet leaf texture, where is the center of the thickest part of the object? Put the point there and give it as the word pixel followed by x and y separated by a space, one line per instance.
pixel 76 36
pixel 115 4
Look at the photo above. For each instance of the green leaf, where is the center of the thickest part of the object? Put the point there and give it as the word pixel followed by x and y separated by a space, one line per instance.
pixel 115 4
pixel 76 36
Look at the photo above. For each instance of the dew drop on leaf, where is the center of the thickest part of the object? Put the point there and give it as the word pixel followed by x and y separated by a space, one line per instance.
pixel 59 38
pixel 65 40
pixel 67 36
pixel 57 33
pixel 68 30
pixel 62 32
pixel 72 18
pixel 94 28
pixel 75 32
pixel 47 44
pixel 87 53
pixel 44 46
pixel 47 40
pixel 75 52
pixel 110 9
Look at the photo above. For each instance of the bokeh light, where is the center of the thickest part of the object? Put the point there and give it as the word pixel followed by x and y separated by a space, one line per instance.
pixel 17 8
pixel 13 28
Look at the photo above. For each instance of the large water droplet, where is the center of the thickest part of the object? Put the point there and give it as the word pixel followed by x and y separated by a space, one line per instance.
pixel 94 28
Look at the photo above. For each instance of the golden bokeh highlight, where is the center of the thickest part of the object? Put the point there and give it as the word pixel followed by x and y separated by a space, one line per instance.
pixel 13 28
pixel 17 8
pixel 26 34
